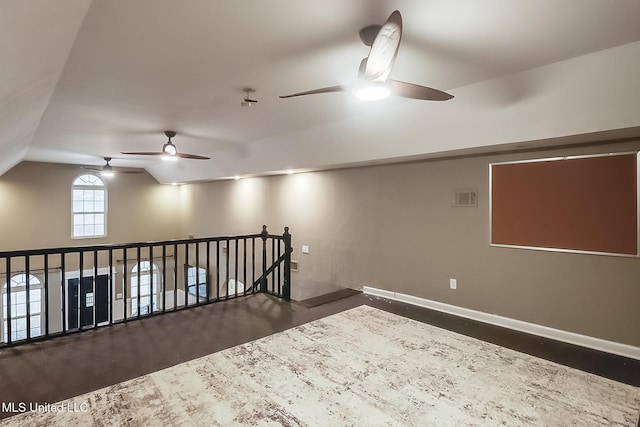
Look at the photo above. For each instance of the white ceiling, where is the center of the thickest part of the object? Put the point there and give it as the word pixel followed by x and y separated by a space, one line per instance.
pixel 84 79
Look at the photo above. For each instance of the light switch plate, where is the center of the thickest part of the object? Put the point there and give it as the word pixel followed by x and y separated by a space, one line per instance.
pixel 305 249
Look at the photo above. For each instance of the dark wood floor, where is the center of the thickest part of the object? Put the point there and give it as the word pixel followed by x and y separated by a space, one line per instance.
pixel 61 368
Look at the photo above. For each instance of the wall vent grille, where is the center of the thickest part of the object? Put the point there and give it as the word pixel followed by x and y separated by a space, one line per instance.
pixel 468 198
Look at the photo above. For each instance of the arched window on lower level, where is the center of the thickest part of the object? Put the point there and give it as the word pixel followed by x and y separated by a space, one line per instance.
pixel 23 307
pixel 145 274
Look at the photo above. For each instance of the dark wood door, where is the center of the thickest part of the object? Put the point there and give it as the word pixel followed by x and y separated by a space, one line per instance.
pixel 84 299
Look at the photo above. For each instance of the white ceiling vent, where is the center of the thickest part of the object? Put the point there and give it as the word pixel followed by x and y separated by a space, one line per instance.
pixel 465 198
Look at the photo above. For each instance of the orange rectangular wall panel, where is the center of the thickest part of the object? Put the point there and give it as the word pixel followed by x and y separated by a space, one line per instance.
pixel 583 204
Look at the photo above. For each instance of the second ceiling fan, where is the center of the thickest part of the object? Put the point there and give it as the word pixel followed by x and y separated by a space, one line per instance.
pixel 169 150
pixel 108 170
pixel 373 76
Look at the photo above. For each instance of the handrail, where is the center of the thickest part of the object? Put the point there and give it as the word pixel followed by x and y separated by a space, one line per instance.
pixel 107 246
pixel 58 291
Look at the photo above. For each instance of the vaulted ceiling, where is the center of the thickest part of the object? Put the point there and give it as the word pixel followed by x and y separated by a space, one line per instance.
pixel 82 79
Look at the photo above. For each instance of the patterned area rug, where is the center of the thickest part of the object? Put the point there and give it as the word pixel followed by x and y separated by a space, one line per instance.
pixel 362 367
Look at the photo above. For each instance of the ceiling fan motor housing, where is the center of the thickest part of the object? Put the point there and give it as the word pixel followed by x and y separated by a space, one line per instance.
pixel 248 102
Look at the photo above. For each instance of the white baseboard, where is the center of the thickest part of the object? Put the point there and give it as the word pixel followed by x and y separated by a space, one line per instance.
pixel 506 322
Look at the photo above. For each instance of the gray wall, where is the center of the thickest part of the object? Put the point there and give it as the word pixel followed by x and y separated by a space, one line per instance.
pixel 393 227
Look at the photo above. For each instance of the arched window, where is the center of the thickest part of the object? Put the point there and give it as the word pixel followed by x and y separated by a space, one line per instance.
pixel 147 273
pixel 19 308
pixel 89 206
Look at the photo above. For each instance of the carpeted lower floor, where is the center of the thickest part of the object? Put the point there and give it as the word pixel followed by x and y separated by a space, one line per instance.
pixel 363 366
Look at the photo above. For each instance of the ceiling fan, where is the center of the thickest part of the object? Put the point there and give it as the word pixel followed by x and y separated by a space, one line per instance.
pixel 373 76
pixel 247 101
pixel 169 150
pixel 108 170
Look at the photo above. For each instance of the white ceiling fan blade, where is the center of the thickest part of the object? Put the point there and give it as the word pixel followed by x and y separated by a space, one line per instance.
pixel 384 49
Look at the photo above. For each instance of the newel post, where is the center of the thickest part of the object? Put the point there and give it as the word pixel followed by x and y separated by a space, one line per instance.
pixel 263 281
pixel 286 289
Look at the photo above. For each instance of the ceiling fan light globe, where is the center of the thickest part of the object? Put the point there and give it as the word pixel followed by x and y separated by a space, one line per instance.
pixel 169 149
pixel 169 157
pixel 373 92
pixel 107 170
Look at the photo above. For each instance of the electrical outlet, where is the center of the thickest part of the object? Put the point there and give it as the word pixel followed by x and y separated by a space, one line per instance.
pixel 453 284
